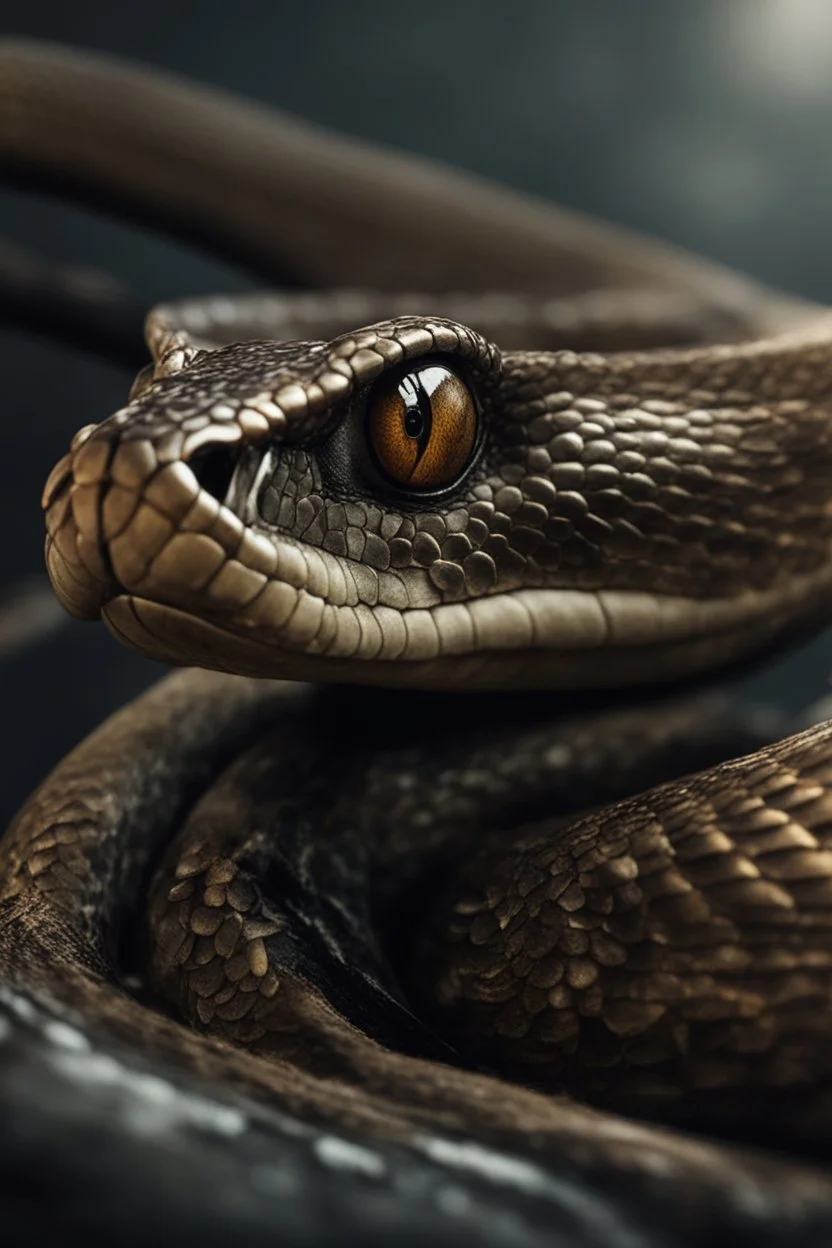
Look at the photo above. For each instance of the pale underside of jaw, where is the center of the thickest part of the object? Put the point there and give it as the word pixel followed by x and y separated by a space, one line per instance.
pixel 556 638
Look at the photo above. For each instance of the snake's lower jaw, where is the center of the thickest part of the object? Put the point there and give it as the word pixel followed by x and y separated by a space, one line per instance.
pixel 172 635
pixel 222 596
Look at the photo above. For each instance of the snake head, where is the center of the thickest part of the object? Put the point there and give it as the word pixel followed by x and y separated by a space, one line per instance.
pixel 405 504
pixel 232 508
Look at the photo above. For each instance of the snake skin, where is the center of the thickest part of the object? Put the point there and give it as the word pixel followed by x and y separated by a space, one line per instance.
pixel 365 904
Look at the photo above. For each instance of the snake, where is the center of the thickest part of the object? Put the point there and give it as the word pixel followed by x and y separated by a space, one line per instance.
pixel 441 893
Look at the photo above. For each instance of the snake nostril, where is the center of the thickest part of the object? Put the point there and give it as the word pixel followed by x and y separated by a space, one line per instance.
pixel 214 469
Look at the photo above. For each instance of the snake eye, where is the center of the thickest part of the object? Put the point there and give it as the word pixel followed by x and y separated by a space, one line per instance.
pixel 422 426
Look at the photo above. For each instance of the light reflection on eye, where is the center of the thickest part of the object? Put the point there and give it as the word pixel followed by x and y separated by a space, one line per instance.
pixel 422 426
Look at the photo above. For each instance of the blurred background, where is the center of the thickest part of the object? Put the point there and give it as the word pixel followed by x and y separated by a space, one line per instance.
pixel 705 122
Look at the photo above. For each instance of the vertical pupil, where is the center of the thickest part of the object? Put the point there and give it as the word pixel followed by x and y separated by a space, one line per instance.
pixel 417 413
pixel 413 423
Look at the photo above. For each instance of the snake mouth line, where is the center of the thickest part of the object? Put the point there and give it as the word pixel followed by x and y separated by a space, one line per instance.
pixel 180 577
pixel 175 635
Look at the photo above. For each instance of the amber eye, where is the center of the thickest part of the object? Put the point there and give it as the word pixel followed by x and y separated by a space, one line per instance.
pixel 422 426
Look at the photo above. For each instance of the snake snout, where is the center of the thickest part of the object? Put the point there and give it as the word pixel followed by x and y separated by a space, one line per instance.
pixel 126 513
pixel 75 556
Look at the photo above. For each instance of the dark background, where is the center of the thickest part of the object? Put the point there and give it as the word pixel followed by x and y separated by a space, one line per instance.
pixel 706 122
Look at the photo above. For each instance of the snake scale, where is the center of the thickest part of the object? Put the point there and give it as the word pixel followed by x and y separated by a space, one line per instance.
pixel 437 944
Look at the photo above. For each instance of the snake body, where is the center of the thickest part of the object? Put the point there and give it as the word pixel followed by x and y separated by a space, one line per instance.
pixel 643 496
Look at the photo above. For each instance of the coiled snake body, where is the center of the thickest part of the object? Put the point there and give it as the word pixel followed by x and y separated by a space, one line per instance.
pixel 375 907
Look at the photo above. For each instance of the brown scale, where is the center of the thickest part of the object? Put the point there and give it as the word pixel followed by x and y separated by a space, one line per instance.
pixel 661 952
